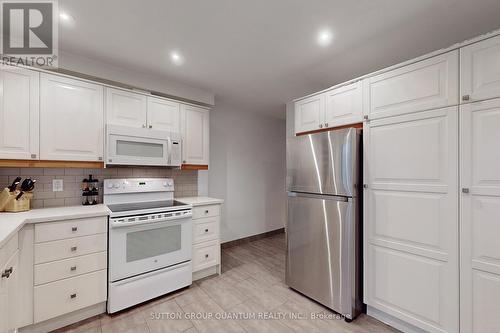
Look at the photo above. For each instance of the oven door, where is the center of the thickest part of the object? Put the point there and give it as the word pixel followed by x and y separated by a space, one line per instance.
pixel 137 249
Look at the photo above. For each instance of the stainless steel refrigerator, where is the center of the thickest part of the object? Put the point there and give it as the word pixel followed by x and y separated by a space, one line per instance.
pixel 323 223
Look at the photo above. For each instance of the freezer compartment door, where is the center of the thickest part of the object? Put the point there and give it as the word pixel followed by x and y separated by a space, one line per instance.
pixel 324 163
pixel 321 255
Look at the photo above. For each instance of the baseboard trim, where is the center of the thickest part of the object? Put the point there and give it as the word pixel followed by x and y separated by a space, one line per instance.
pixel 252 238
pixel 392 321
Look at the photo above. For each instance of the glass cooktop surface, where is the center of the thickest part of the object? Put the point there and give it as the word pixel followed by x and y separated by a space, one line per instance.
pixel 116 208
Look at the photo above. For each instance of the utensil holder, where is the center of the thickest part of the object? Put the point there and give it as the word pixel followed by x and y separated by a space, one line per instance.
pixel 5 198
pixel 21 205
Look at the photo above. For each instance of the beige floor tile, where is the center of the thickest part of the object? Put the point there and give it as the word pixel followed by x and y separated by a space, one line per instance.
pixel 226 295
pixel 192 295
pixel 166 317
pixel 265 297
pixel 250 308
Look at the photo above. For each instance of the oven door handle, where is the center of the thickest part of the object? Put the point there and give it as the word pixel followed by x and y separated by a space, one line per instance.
pixel 116 224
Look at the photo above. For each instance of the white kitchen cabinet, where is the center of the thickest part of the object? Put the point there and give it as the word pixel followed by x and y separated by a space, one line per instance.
pixel 344 105
pixel 71 119
pixel 424 85
pixel 8 295
pixel 309 113
pixel 163 114
pixel 480 211
pixel 336 107
pixel 19 112
pixel 411 218
pixel 480 70
pixel 195 128
pixel 126 108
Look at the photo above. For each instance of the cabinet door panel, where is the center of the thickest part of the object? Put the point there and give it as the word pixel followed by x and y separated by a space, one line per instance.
pixel 480 70
pixel 411 218
pixel 344 105
pixel 19 112
pixel 309 113
pixel 163 115
pixel 71 119
pixel 125 108
pixel 480 208
pixel 195 135
pixel 425 85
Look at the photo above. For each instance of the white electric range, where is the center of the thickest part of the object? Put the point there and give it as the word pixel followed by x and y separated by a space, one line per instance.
pixel 150 240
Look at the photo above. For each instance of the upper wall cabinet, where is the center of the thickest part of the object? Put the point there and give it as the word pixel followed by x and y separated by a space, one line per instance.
pixel 425 85
pixel 125 108
pixel 480 70
pixel 71 119
pixel 19 112
pixel 336 107
pixel 163 114
pixel 195 128
pixel 309 113
pixel 344 105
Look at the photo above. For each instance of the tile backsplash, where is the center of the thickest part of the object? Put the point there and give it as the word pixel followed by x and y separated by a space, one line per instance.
pixel 186 182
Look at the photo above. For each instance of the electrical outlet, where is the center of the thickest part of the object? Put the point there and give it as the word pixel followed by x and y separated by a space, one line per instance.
pixel 57 185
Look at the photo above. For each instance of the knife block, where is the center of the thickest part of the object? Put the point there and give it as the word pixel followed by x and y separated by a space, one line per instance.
pixel 5 198
pixel 21 205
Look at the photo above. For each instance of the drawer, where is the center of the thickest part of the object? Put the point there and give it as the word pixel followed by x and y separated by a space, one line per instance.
pixel 8 249
pixel 206 255
pixel 206 211
pixel 69 248
pixel 68 295
pixel 63 269
pixel 50 231
pixel 206 229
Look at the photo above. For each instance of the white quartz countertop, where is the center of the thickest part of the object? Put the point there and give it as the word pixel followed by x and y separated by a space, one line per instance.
pixel 10 223
pixel 200 201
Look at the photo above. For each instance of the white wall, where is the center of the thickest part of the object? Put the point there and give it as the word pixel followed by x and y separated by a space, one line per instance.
pixel 247 170
pixel 131 77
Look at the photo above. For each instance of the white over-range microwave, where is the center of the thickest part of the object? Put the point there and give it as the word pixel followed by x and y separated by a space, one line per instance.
pixel 142 146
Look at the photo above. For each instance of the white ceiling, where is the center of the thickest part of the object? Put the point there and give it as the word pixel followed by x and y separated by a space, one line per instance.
pixel 259 54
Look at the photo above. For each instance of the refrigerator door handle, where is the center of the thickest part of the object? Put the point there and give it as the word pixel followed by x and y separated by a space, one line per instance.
pixel 318 196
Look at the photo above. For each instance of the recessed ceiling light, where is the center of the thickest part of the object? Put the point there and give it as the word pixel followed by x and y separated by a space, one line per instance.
pixel 176 58
pixel 324 37
pixel 66 18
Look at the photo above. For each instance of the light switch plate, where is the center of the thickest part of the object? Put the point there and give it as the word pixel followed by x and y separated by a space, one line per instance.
pixel 57 185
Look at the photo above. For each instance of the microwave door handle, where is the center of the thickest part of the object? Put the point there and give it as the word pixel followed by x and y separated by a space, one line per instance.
pixel 169 140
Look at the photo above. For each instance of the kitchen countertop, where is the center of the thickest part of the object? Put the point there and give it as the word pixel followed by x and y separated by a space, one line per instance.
pixel 200 201
pixel 11 223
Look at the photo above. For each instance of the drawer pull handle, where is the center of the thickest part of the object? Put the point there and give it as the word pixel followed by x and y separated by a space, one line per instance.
pixel 74 228
pixel 73 248
pixel 206 255
pixel 6 273
pixel 73 268
pixel 206 230
pixel 206 212
pixel 72 296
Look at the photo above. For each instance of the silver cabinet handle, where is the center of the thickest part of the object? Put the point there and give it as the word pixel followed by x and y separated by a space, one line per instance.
pixel 99 158
pixel 73 268
pixel 206 212
pixel 206 230
pixel 320 125
pixel 6 273
pixel 206 255
pixel 33 155
pixel 326 124
pixel 72 295
pixel 466 98
pixel 150 126
pixel 73 248
pixel 184 161
pixel 465 190
pixel 74 228
pixel 365 117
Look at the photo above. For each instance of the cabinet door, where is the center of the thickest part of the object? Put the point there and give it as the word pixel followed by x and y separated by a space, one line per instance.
pixel 309 113
pixel 425 85
pixel 480 224
pixel 163 115
pixel 480 70
pixel 19 122
pixel 71 119
pixel 344 105
pixel 125 108
pixel 8 296
pixel 195 135
pixel 411 218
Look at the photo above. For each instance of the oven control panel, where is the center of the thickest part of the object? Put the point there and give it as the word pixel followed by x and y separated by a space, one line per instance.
pixel 138 185
pixel 150 218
